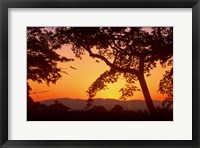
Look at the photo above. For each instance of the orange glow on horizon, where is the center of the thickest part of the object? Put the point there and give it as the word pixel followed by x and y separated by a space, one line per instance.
pixel 77 81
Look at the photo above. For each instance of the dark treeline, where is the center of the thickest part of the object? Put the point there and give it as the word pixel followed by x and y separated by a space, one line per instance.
pixel 59 112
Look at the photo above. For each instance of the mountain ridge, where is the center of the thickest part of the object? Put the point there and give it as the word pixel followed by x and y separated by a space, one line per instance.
pixel 79 104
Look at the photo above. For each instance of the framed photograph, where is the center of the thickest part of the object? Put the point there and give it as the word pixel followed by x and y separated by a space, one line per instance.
pixel 99 74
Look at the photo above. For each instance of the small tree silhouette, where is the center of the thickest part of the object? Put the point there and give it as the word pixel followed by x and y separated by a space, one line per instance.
pixel 117 108
pixel 98 108
pixel 57 107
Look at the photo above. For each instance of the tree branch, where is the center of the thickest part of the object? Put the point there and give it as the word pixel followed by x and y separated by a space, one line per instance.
pixel 111 65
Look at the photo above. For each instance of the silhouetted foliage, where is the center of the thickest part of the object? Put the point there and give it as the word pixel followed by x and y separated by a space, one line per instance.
pixel 98 108
pixel 39 112
pixel 89 104
pixel 166 87
pixel 58 107
pixel 42 59
pixel 35 106
pixel 117 108
pixel 130 52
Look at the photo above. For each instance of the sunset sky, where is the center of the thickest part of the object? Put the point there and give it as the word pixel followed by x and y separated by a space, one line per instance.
pixel 77 81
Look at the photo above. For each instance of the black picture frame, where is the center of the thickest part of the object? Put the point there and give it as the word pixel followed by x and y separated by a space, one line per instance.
pixel 6 4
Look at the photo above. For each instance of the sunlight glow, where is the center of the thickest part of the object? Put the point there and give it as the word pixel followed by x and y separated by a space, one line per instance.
pixel 76 82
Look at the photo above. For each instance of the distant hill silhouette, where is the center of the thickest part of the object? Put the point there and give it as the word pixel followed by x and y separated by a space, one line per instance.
pixel 79 104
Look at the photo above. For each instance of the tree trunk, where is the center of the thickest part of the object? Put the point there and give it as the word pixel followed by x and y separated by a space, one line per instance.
pixel 146 94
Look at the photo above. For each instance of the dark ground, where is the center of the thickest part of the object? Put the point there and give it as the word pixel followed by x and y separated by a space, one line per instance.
pixel 59 112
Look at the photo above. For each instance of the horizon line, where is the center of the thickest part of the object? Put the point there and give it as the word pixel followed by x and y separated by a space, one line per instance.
pixel 97 99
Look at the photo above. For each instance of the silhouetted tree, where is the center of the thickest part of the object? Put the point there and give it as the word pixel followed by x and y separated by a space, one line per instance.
pixel 57 107
pixel 166 87
pixel 117 108
pixel 42 59
pixel 129 51
pixel 98 108
pixel 35 107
